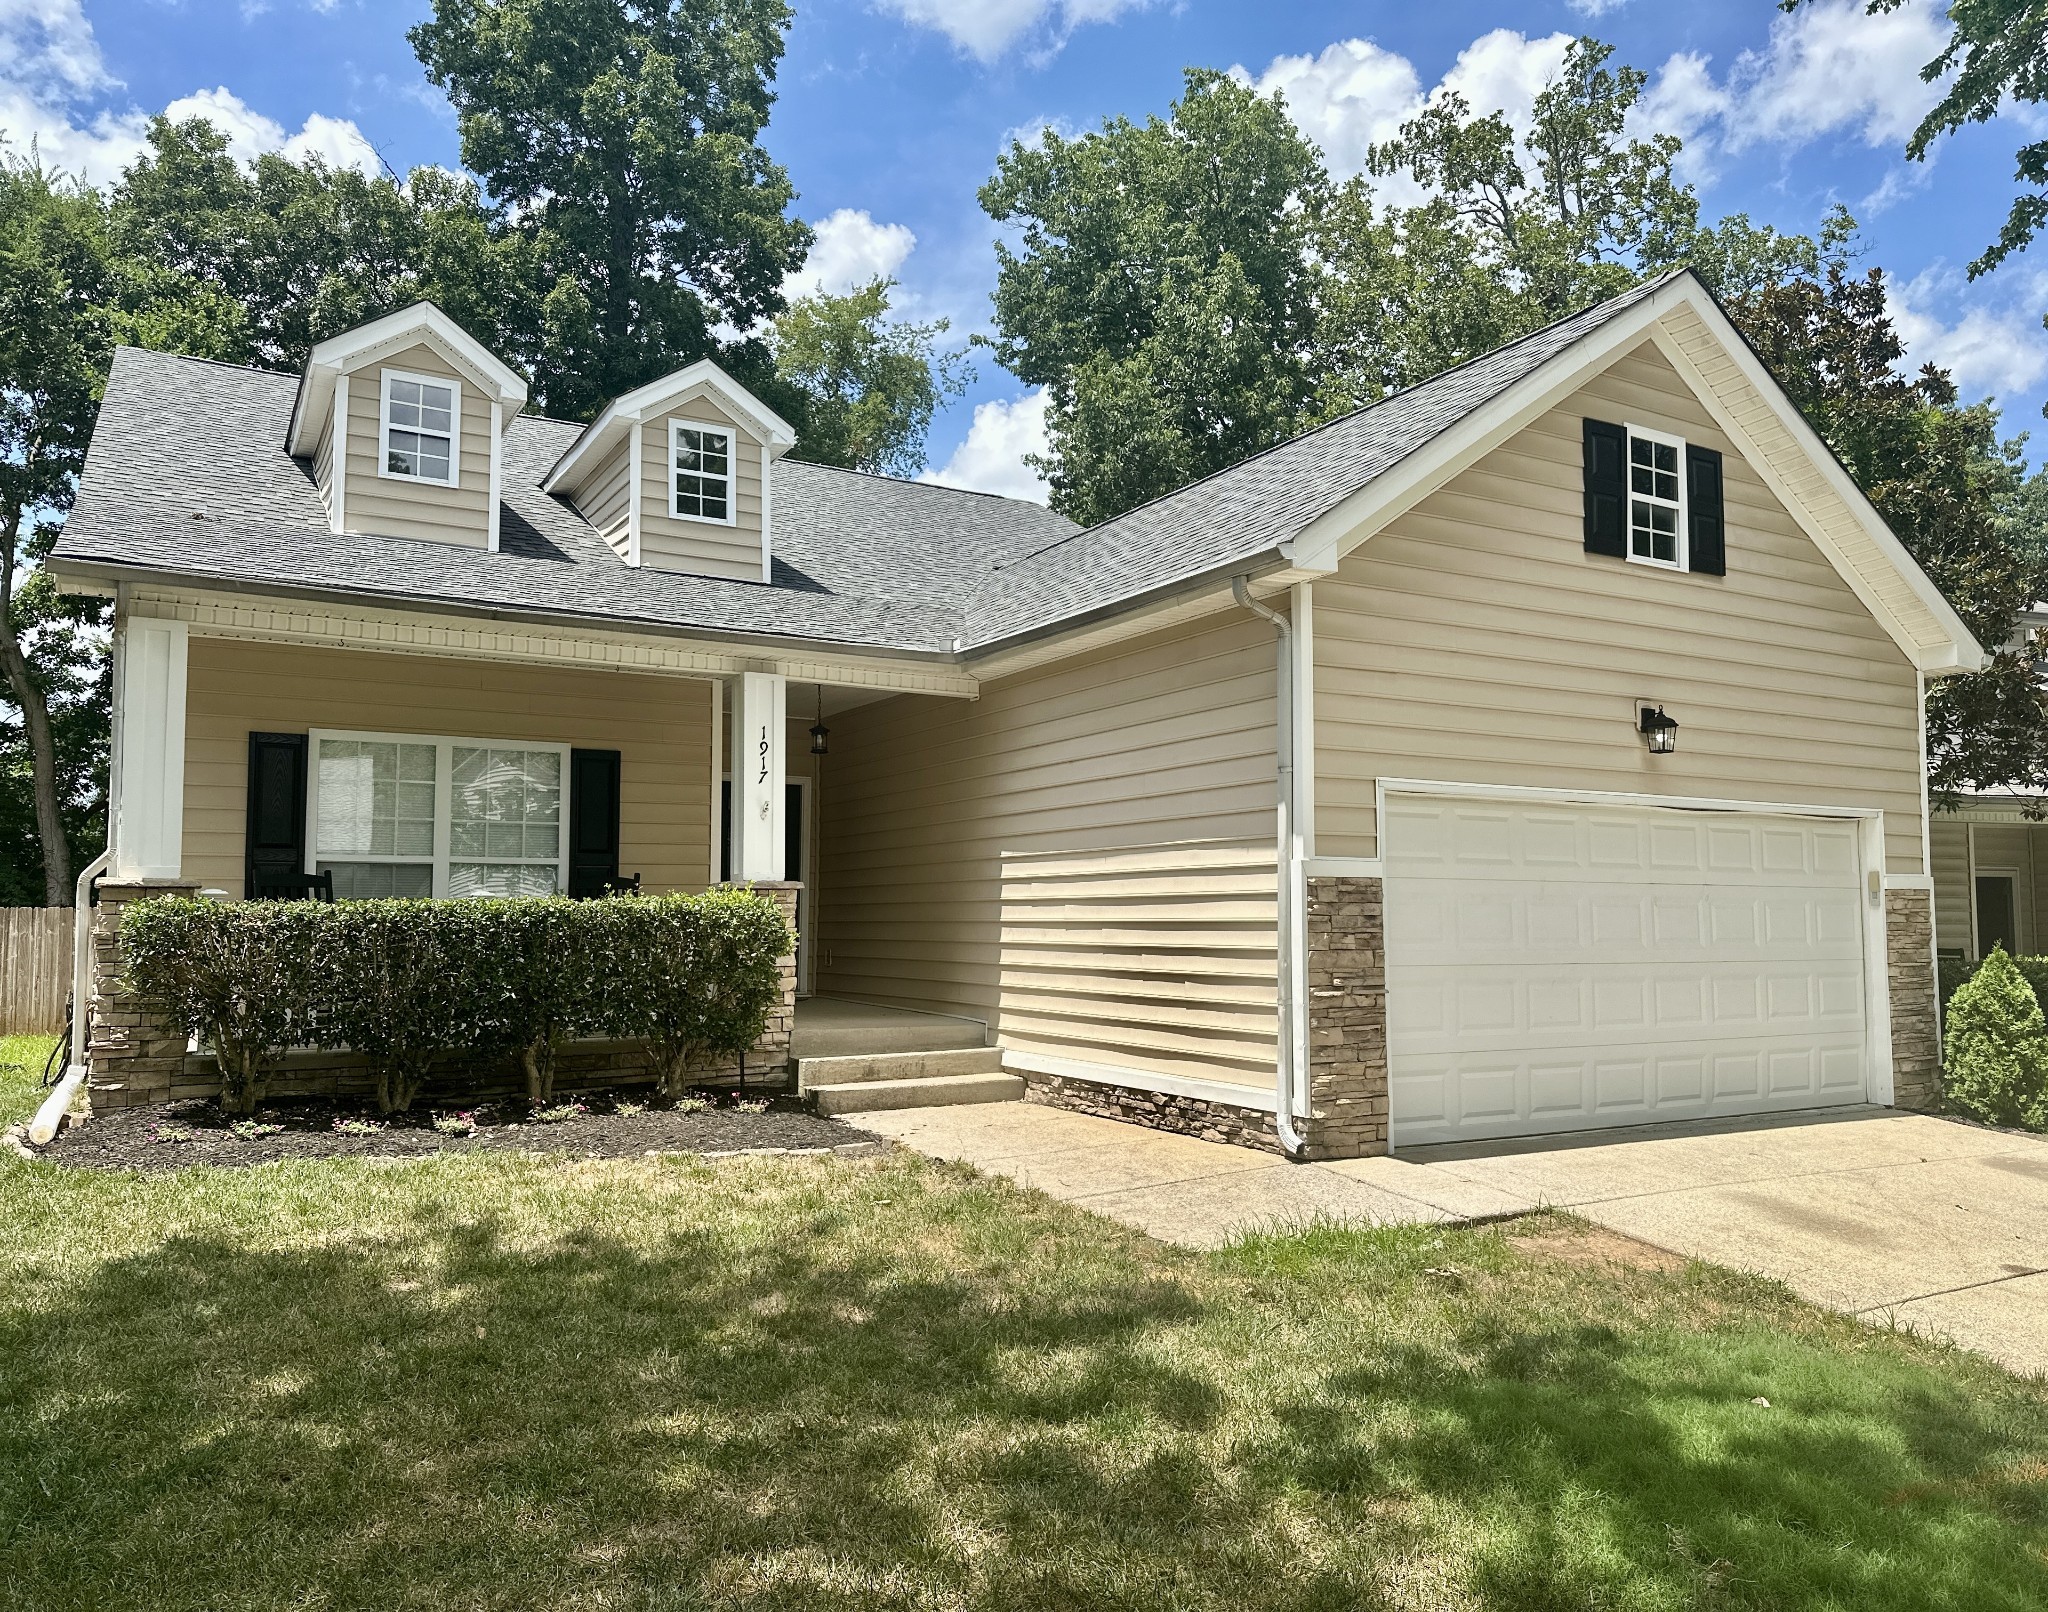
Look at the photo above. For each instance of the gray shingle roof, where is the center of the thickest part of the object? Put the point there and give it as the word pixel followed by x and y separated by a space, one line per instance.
pixel 188 477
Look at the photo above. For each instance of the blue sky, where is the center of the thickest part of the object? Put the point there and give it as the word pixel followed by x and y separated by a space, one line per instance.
pixel 892 112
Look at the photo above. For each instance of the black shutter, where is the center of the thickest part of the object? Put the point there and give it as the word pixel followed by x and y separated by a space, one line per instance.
pixel 274 845
pixel 593 821
pixel 1707 549
pixel 1606 489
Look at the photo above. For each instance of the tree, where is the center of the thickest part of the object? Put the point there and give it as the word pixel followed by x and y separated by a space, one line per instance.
pixel 57 292
pixel 1516 231
pixel 1959 499
pixel 621 137
pixel 254 264
pixel 1998 50
pixel 1163 292
pixel 869 386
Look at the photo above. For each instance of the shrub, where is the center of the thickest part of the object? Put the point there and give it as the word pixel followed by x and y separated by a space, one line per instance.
pixel 696 976
pixel 1995 1049
pixel 540 980
pixel 395 977
pixel 237 974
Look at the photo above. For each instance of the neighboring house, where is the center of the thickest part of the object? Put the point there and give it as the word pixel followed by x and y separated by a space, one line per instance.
pixel 378 621
pixel 1991 876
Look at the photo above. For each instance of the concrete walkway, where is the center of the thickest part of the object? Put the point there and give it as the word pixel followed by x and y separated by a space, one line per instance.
pixel 1940 1226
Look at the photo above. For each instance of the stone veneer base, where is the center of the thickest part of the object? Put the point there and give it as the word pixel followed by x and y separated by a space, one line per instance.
pixel 1162 1111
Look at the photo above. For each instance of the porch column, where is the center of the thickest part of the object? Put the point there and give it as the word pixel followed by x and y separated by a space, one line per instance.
pixel 760 702
pixel 148 766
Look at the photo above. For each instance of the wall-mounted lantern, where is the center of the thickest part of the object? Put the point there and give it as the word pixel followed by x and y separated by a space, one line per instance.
pixel 1659 731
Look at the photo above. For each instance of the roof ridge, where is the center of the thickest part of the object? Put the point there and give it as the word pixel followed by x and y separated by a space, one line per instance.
pixel 121 347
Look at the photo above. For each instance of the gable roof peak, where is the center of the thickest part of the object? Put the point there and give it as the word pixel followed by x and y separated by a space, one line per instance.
pixel 384 337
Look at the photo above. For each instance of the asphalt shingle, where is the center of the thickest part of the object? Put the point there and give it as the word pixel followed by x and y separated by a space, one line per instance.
pixel 188 477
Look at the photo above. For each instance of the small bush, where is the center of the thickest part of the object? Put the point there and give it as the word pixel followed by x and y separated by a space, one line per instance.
pixel 396 982
pixel 1995 1049
pixel 241 975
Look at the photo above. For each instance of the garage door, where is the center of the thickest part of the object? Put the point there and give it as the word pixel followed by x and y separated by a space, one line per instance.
pixel 1560 967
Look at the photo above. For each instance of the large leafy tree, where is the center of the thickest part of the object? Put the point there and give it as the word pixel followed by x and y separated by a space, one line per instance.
pixel 255 263
pixel 1162 289
pixel 58 292
pixel 1958 497
pixel 1516 230
pixel 867 385
pixel 1998 51
pixel 622 139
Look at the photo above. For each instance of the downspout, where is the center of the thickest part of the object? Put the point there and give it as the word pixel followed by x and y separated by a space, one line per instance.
pixel 1293 1037
pixel 48 1117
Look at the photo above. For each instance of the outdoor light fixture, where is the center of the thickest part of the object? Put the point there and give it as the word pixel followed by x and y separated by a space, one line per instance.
pixel 819 732
pixel 1659 731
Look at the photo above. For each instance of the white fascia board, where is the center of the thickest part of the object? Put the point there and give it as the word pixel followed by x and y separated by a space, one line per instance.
pixel 1324 542
pixel 366 344
pixel 1962 653
pixel 775 434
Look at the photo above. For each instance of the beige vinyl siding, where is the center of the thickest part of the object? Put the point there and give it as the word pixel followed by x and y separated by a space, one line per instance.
pixel 1950 842
pixel 1476 641
pixel 392 507
pixel 1140 749
pixel 605 499
pixel 704 548
pixel 660 726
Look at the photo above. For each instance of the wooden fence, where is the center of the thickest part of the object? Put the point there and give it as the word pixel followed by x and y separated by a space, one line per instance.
pixel 35 969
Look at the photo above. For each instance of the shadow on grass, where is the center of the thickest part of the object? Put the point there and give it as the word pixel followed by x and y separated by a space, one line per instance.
pixel 911 1399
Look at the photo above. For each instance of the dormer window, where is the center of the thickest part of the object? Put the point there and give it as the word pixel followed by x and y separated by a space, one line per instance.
pixel 420 412
pixel 701 459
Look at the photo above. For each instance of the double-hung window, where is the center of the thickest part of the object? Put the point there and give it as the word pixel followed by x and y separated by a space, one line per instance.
pixel 1656 498
pixel 701 472
pixel 407 815
pixel 420 431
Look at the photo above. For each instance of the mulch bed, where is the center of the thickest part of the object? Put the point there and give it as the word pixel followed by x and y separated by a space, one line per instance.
pixel 172 1136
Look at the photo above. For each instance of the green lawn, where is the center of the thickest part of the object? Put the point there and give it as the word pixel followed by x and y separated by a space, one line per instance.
pixel 514 1383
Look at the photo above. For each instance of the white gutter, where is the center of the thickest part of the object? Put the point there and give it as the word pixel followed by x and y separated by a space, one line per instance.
pixel 55 1106
pixel 1292 968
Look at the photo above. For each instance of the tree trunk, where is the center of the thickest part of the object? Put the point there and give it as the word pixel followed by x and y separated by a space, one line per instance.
pixel 42 749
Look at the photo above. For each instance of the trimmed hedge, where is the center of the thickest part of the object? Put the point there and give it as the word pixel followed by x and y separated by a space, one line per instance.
pixel 406 983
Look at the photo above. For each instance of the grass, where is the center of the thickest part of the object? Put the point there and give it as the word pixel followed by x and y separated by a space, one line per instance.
pixel 21 1075
pixel 512 1382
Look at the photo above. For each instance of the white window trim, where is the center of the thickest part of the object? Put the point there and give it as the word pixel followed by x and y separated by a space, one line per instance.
pixel 386 377
pixel 1628 525
pixel 444 792
pixel 732 470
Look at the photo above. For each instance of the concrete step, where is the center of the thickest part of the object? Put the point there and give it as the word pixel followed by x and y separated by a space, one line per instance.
pixel 847 1071
pixel 939 1091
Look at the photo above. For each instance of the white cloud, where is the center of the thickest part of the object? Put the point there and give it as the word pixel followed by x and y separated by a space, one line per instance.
pixel 1504 71
pixel 1596 8
pixel 1990 347
pixel 1350 97
pixel 47 47
pixel 1355 94
pixel 1832 66
pixel 851 249
pixel 990 459
pixel 986 29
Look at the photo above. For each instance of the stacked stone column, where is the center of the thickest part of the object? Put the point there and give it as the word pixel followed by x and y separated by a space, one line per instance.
pixel 1909 962
pixel 134 1055
pixel 1347 1019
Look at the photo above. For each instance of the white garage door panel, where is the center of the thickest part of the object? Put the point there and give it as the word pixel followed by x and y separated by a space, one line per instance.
pixel 1554 968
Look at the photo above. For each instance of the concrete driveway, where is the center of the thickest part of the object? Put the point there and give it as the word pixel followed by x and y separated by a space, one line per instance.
pixel 1890 1216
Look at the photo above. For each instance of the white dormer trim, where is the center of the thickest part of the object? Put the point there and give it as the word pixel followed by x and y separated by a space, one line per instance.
pixel 385 338
pixel 337 459
pixel 497 489
pixel 775 434
pixel 636 484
